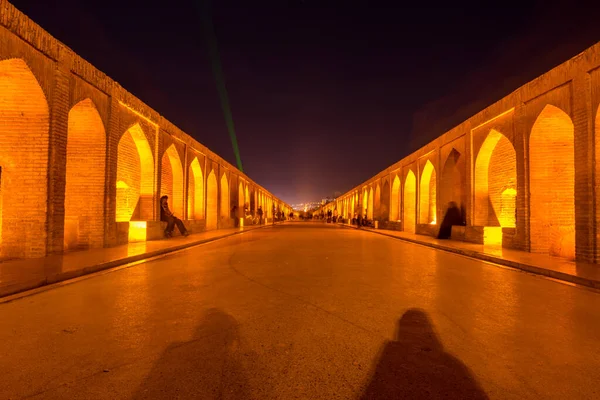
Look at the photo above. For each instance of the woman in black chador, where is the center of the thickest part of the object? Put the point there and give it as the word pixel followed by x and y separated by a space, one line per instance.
pixel 453 217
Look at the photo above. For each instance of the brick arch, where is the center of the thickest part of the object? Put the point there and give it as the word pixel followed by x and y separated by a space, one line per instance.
pixel 451 182
pixel 428 195
pixel 241 198
pixel 171 179
pixel 410 202
pixel 377 202
pixel 24 140
pixel 395 200
pixel 246 197
pixel 195 191
pixel 495 171
pixel 85 178
pixel 385 202
pixel 225 206
pixel 212 201
pixel 552 183
pixel 135 176
pixel 365 202
pixel 370 204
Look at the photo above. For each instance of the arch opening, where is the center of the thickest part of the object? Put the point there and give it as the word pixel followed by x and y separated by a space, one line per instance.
pixel 225 206
pixel 171 179
pixel 212 201
pixel 24 141
pixel 135 177
pixel 495 171
pixel 410 200
pixel 85 178
pixel 195 191
pixel 370 203
pixel 552 183
pixel 427 195
pixel 395 200
pixel 451 182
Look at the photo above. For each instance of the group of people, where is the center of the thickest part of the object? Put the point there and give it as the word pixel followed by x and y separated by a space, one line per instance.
pixel 166 215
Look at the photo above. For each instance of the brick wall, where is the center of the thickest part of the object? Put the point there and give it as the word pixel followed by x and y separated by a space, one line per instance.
pixel 171 179
pixel 552 182
pixel 195 191
pixel 85 176
pixel 24 136
pixel 502 175
pixel 410 202
pixel 212 193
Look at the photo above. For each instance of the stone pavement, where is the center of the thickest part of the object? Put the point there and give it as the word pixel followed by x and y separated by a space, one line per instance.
pixel 585 274
pixel 25 274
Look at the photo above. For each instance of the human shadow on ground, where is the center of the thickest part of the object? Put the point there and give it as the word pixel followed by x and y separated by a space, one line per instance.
pixel 415 366
pixel 206 367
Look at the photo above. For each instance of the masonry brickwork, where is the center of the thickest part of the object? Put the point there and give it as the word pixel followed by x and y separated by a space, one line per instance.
pixel 525 169
pixel 83 162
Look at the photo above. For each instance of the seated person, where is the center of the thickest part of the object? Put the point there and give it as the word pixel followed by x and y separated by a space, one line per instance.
pixel 171 220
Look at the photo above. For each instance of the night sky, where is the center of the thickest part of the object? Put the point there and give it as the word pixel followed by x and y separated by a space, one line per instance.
pixel 324 94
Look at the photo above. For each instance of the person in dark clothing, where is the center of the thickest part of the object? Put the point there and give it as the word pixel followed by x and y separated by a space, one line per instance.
pixel 171 220
pixel 260 215
pixel 234 215
pixel 453 217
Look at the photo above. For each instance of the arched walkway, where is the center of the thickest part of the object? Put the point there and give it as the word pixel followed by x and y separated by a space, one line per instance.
pixel 410 200
pixel 365 203
pixel 135 177
pixel 395 200
pixel 495 171
pixel 24 124
pixel 225 206
pixel 171 180
pixel 212 201
pixel 195 191
pixel 552 184
pixel 85 178
pixel 427 195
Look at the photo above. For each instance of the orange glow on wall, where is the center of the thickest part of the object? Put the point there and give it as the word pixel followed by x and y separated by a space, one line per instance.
pixel 377 202
pixel 212 198
pixel 495 171
pixel 24 124
pixel 85 179
pixel 225 208
pixel 241 198
pixel 410 200
pixel 395 200
pixel 195 191
pixel 171 180
pixel 137 231
pixel 552 182
pixel 135 171
pixel 370 205
pixel 427 195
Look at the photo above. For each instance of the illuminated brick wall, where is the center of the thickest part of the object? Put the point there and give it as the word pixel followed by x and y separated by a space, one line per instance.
pixel 395 200
pixel 78 153
pixel 171 180
pixel 524 170
pixel 24 137
pixel 195 191
pixel 85 178
pixel 212 201
pixel 427 195
pixel 410 202
pixel 552 166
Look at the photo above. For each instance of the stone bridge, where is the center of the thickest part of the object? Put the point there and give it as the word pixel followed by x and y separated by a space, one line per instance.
pixel 83 162
pixel 524 171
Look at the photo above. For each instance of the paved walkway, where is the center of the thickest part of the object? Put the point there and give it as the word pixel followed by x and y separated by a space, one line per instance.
pixel 586 274
pixel 304 311
pixel 21 275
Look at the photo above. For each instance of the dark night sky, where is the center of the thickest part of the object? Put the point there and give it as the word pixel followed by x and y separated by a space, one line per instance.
pixel 322 93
